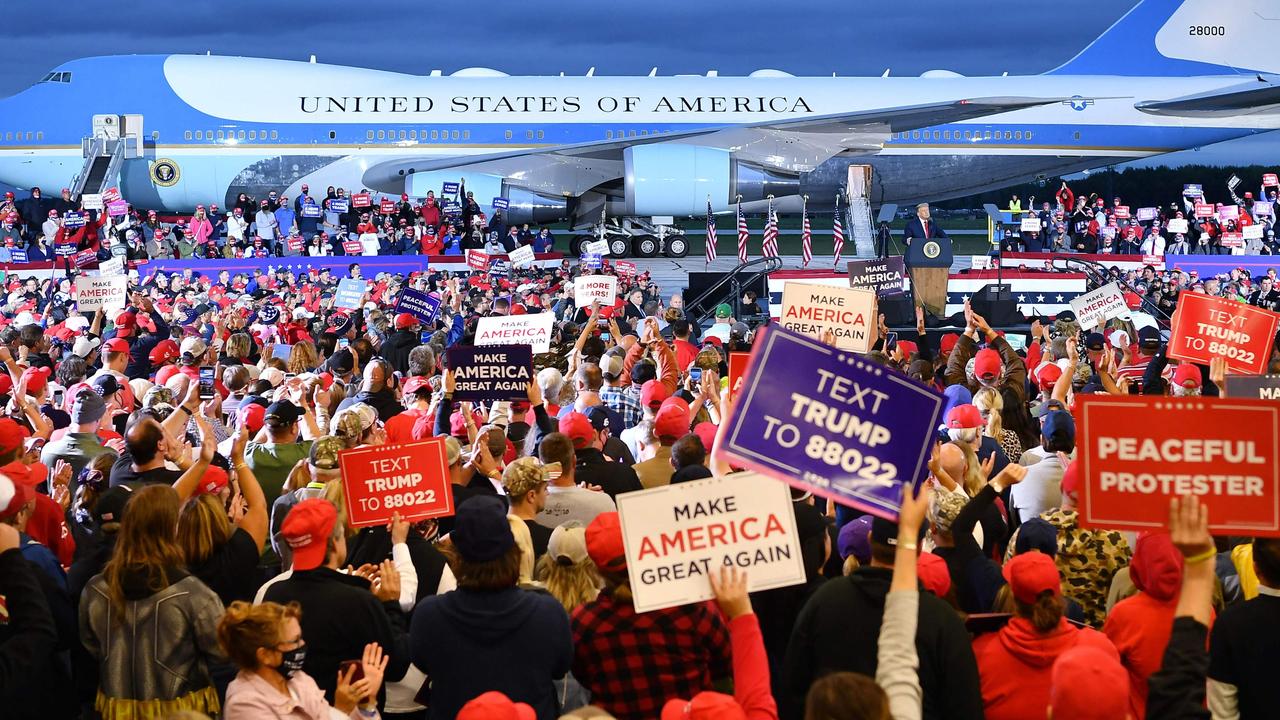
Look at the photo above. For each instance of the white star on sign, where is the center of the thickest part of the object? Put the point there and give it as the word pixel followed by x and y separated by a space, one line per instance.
pixel 964 298
pixel 1059 298
pixel 1022 298
pixel 1039 298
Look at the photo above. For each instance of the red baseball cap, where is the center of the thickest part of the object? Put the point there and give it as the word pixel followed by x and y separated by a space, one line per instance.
pixel 948 343
pixel 706 432
pixel 14 495
pixel 1048 376
pixel 166 372
pixel 36 378
pixel 213 480
pixel 578 428
pixel 1186 375
pixel 1070 478
pixel 987 364
pixel 306 529
pixel 652 393
pixel 116 344
pixel 908 347
pixel 404 321
pixel 933 573
pixel 604 540
pixel 671 421
pixel 1028 575
pixel 251 416
pixel 415 383
pixel 493 705
pixel 1089 683
pixel 706 705
pixel 11 435
pixel 125 322
pixel 163 352
pixel 963 417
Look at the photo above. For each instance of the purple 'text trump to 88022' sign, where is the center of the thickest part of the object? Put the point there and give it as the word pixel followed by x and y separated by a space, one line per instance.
pixel 828 421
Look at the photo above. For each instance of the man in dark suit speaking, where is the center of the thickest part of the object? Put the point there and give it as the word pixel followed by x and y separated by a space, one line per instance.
pixel 921 226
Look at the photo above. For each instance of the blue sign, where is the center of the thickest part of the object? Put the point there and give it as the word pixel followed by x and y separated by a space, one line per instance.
pixel 74 220
pixel 339 205
pixel 491 372
pixel 500 268
pixel 350 293
pixel 64 249
pixel 17 256
pixel 452 208
pixel 339 266
pixel 833 423
pixel 119 250
pixel 500 203
pixel 418 304
pixel 449 188
pixel 310 210
pixel 1193 190
pixel 592 261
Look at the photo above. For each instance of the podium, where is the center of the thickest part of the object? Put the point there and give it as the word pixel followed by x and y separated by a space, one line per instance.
pixel 929 263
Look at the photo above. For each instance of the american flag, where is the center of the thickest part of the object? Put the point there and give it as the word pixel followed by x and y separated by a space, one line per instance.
pixel 837 233
pixel 743 235
pixel 771 233
pixel 711 235
pixel 806 236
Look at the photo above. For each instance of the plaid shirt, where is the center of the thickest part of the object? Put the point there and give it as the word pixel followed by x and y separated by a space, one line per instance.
pixel 633 663
pixel 624 402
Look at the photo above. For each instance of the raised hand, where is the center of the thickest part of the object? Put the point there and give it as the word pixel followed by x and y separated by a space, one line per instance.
pixel 730 589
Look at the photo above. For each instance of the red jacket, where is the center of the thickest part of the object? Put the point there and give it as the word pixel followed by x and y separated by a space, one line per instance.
pixel 1015 665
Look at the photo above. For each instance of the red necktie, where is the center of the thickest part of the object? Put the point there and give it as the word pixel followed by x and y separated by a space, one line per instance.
pixel 925 223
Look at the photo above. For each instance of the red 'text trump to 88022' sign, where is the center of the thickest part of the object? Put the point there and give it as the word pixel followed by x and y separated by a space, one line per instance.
pixel 1138 452
pixel 1206 327
pixel 410 478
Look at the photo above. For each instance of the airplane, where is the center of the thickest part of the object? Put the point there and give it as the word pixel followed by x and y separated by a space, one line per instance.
pixel 1169 75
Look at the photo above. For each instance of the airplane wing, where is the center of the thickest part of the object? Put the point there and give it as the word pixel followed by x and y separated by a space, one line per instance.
pixel 804 142
pixel 1259 97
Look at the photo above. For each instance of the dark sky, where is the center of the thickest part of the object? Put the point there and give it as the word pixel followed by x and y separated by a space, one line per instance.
pixel 687 36
pixel 804 37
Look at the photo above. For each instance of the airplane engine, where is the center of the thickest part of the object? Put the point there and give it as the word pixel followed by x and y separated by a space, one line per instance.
pixel 677 179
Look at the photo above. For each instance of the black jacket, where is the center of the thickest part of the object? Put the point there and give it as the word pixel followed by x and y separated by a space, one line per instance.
pixel 1177 690
pixel 373 545
pixel 839 629
pixel 384 401
pixel 340 615
pixel 397 347
pixel 614 478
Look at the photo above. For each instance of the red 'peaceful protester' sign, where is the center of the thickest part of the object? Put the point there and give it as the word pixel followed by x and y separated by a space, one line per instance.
pixel 411 479
pixel 1227 452
pixel 1205 327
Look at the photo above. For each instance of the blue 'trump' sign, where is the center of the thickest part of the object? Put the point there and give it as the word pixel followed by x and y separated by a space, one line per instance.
pixel 418 304
pixel 501 203
pixel 828 421
pixel 449 188
pixel 339 205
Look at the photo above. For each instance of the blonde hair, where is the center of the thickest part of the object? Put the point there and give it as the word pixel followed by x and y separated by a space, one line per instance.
pixel 973 478
pixel 245 627
pixel 333 493
pixel 238 346
pixel 573 584
pixel 988 399
pixel 203 527
pixel 303 358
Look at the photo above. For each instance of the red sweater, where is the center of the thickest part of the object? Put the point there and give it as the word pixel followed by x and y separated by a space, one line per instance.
pixel 1015 665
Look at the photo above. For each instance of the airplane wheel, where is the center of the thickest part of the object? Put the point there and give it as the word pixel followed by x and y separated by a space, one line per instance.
pixel 576 245
pixel 677 246
pixel 618 247
pixel 645 246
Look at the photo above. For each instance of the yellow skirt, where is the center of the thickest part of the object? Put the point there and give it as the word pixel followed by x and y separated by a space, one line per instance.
pixel 204 701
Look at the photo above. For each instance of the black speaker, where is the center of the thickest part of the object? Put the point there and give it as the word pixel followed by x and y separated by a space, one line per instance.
pixel 995 303
pixel 898 310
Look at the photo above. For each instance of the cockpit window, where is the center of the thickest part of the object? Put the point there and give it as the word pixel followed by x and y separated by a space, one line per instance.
pixel 58 77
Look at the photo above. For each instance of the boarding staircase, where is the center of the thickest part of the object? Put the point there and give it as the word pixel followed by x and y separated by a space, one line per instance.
pixel 729 288
pixel 115 138
pixel 862 233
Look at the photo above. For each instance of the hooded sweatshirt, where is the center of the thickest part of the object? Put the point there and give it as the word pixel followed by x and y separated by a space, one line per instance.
pixel 1139 626
pixel 1015 665
pixel 511 640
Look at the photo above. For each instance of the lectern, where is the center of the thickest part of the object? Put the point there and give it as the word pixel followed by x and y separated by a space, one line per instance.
pixel 929 262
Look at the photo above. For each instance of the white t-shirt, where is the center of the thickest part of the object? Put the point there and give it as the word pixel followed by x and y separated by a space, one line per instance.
pixel 566 504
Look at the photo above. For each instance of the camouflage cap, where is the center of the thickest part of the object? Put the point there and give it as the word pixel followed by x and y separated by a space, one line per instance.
pixel 324 452
pixel 944 507
pixel 522 476
pixel 158 394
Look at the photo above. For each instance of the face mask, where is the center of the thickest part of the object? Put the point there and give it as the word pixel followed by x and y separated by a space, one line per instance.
pixel 291 661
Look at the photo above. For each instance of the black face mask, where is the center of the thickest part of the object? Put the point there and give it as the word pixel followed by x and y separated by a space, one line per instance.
pixel 291 661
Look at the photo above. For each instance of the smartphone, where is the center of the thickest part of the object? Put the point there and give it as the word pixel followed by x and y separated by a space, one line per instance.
pixel 890 341
pixel 695 374
pixel 206 383
pixel 604 336
pixel 359 666
pixel 343 343
pixel 57 398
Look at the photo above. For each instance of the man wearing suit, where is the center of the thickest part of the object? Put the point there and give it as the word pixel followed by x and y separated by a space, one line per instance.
pixel 921 226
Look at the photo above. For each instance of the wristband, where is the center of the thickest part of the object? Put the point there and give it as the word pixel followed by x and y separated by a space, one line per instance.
pixel 907 546
pixel 1207 554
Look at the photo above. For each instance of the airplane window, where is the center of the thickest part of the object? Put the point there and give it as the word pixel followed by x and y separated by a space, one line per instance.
pixel 333 135
pixel 1029 135
pixel 508 134
pixel 274 135
pixel 935 134
pixel 186 135
pixel 66 77
pixel 221 135
pixel 946 134
pixel 987 135
pixel 1008 135
pixel 608 134
pixel 402 135
pixel 28 135
pixel 1075 135
pixel 8 136
pixel 435 135
pixel 539 134
pixel 456 134
pixel 466 134
pixel 528 134
pixel 199 134
pixel 1017 134
pixel 644 133
pixel 253 134
pixel 382 134
pixel 155 134
pixel 239 134
pixel 915 134
pixel 39 134
pixel 413 134
pixel 966 134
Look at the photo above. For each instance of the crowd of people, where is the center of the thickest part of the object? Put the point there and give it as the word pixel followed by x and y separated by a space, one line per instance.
pixel 1078 224
pixel 337 224
pixel 172 548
